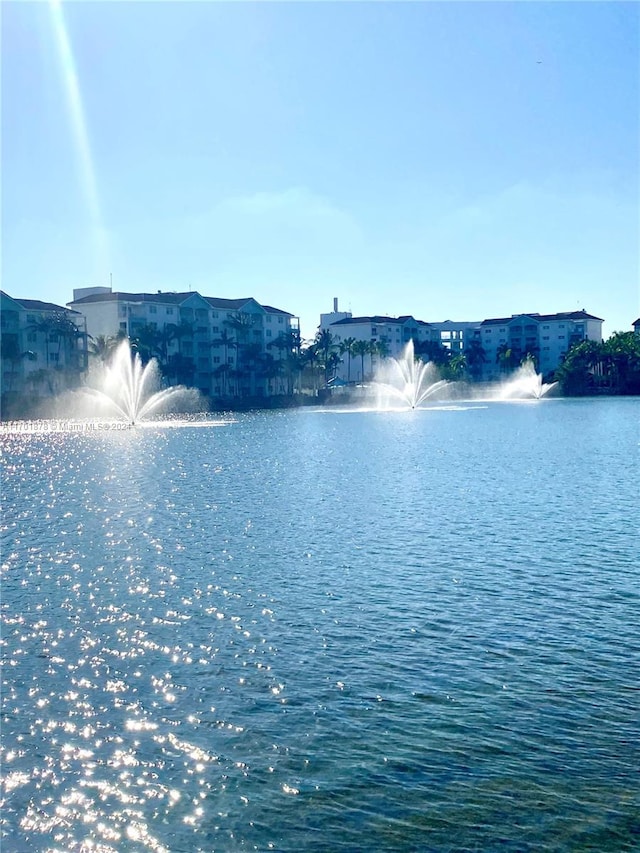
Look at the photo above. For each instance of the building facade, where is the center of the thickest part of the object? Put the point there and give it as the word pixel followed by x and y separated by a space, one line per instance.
pixel 44 347
pixel 223 347
pixel 493 347
pixel 545 337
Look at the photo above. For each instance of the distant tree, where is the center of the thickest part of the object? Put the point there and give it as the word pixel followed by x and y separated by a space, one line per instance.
pixel 361 349
pixel 476 356
pixel 346 347
pixel 310 361
pixel 146 342
pixel 102 347
pixel 457 367
pixel 432 351
pixel 227 342
pixel 324 345
pixel 180 369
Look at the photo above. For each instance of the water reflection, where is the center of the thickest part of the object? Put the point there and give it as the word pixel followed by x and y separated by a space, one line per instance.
pixel 305 631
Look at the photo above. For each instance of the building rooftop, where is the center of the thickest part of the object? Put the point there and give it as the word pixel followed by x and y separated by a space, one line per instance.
pixel 166 298
pixel 376 318
pixel 566 315
pixel 172 298
pixel 38 305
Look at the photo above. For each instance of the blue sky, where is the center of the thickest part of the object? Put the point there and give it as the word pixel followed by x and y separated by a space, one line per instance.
pixel 448 160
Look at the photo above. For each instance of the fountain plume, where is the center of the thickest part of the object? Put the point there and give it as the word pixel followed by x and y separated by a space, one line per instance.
pixel 128 388
pixel 526 383
pixel 407 380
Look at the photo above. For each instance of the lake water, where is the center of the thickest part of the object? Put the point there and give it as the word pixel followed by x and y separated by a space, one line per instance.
pixel 325 631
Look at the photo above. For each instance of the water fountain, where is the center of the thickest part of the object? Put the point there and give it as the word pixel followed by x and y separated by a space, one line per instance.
pixel 526 384
pixel 407 381
pixel 127 389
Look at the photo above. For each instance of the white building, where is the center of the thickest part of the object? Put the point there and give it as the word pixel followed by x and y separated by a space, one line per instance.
pixel 390 333
pixel 44 346
pixel 455 335
pixel 221 346
pixel 547 337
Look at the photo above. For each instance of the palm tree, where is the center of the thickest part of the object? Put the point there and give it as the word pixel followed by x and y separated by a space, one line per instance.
pixel 324 344
pixel 146 341
pixel 378 349
pixel 270 369
pixel 476 357
pixel 432 351
pixel 457 366
pixel 310 358
pixel 346 346
pixel 102 346
pixel 361 348
pixel 226 341
pixel 223 370
pixel 332 364
pixel 45 326
pixel 248 362
pixel 295 367
pixel 504 357
pixel 181 368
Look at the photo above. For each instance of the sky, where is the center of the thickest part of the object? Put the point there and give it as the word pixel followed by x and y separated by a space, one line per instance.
pixel 458 160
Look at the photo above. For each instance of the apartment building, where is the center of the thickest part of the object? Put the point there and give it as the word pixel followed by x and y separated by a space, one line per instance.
pixel 44 346
pixel 221 346
pixel 547 337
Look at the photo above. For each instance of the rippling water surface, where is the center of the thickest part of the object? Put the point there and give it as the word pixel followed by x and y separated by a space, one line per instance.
pixel 312 631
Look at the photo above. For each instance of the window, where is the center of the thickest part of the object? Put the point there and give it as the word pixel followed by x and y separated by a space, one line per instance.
pixel 123 327
pixel 53 338
pixel 32 337
pixel 216 359
pixel 31 318
pixel 374 330
pixel 280 320
pixel 545 337
pixel 169 311
pixel 215 328
pixel 545 327
pixel 560 337
pixel 214 314
pixel 561 326
pixel 230 360
pixel 269 318
pixel 268 333
pixel 445 336
pixel 122 310
pixel 153 309
pixel 54 356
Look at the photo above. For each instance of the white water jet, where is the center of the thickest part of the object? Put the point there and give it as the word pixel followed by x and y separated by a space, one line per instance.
pixel 129 390
pixel 525 384
pixel 407 380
